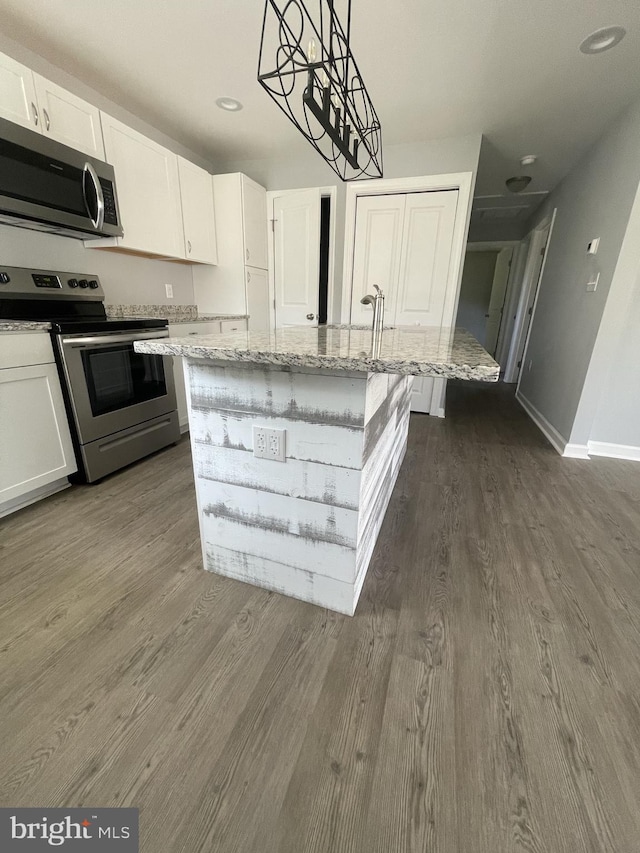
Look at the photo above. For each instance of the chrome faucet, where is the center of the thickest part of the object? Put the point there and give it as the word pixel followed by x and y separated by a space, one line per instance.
pixel 377 302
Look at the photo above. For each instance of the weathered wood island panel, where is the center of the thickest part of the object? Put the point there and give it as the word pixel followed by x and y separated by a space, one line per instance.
pixel 305 527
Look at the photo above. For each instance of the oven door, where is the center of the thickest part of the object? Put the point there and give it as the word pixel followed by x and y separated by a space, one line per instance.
pixel 110 386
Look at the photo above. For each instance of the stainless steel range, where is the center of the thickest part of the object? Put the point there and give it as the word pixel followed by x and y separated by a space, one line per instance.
pixel 121 404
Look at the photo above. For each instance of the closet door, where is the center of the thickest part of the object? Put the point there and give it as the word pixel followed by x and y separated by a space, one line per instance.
pixel 377 254
pixel 427 237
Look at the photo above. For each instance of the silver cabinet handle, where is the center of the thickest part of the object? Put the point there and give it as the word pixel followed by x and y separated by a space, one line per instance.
pixel 189 246
pixel 47 121
pixel 311 316
pixel 90 172
pixel 35 113
pixel 248 254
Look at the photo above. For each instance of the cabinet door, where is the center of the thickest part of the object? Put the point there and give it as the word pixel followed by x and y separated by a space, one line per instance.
pixel 18 94
pixel 198 217
pixel 254 214
pixel 148 190
pixel 258 307
pixel 35 444
pixel 69 119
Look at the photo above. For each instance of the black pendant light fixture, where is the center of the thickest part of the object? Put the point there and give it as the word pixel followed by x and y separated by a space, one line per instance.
pixel 307 67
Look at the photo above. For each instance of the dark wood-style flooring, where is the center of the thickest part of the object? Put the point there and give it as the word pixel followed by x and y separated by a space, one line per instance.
pixel 484 698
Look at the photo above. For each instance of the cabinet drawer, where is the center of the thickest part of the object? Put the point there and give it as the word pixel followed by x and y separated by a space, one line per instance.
pixel 184 330
pixel 233 325
pixel 21 349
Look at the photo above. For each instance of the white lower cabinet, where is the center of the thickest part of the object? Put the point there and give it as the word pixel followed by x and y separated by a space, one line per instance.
pixel 36 452
pixel 185 330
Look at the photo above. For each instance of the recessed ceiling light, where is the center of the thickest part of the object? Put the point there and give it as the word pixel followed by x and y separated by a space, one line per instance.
pixel 518 183
pixel 528 160
pixel 229 104
pixel 603 39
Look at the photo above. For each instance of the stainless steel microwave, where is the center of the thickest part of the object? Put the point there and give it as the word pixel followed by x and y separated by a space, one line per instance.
pixel 48 186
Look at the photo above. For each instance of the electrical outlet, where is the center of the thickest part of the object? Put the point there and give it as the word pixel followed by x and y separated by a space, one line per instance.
pixel 269 443
pixel 169 290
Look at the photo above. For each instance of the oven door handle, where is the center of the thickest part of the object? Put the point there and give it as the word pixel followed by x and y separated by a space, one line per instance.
pixel 127 338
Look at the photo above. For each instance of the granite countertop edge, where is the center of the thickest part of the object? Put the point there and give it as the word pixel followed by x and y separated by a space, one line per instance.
pixel 24 326
pixel 444 369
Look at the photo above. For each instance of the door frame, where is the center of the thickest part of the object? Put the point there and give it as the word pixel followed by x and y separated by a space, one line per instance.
pixel 330 192
pixel 498 246
pixel 461 181
pixel 529 281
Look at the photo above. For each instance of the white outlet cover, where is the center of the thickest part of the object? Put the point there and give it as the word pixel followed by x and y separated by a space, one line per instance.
pixel 269 443
pixel 169 290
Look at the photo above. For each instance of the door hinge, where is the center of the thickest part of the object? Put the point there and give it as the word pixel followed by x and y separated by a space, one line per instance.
pixel 520 363
pixel 273 225
pixel 530 311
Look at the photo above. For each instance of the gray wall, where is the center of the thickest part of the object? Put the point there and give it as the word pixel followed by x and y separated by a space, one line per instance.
pixel 125 278
pixel 617 419
pixel 594 200
pixel 439 156
pixel 475 292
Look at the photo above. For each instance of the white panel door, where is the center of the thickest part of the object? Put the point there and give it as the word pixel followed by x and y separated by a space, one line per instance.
pixel 377 254
pixel 258 299
pixel 296 253
pixel 68 119
pixel 35 444
pixel 427 238
pixel 198 216
pixel 254 212
pixel 148 190
pixel 18 93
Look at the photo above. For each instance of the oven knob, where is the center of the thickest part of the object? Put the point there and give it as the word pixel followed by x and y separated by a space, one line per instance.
pixel 83 282
pixel 73 282
pixel 4 278
pixel 93 284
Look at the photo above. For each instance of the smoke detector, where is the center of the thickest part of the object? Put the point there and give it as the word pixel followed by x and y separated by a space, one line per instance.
pixel 518 183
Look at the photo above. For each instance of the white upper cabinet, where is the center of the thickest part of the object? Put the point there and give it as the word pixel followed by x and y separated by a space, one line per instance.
pixel 68 119
pixel 254 214
pixel 148 192
pixel 198 216
pixel 17 93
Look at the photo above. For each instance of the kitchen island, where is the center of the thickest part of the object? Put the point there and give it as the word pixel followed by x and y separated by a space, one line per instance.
pixel 336 403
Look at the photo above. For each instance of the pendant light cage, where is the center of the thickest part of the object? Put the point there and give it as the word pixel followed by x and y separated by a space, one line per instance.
pixel 307 67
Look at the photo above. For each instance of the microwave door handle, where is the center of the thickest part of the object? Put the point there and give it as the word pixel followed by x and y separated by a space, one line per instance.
pixel 90 172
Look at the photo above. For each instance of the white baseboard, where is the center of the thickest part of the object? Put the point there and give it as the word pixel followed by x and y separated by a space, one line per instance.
pixel 557 441
pixel 576 451
pixel 614 451
pixel 31 497
pixel 547 429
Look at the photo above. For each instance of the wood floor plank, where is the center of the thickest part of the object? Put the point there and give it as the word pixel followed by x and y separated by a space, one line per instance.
pixel 485 697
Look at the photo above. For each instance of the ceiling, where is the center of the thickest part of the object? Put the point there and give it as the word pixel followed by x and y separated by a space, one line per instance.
pixel 510 69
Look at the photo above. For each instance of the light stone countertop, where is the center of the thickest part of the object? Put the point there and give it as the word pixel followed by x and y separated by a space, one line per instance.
pixel 172 313
pixel 205 318
pixel 24 326
pixel 425 351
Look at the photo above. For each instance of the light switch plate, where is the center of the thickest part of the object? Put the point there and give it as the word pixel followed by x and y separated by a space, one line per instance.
pixel 169 290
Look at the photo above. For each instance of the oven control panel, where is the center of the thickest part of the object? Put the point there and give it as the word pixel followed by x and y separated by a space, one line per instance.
pixel 18 282
pixel 45 280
